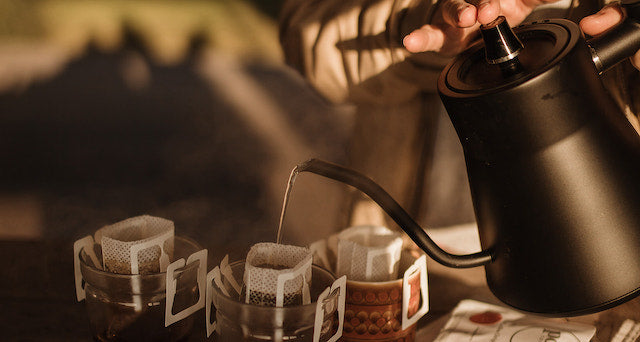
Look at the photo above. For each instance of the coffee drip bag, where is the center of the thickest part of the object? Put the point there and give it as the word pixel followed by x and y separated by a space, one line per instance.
pixel 277 275
pixel 138 245
pixel 368 253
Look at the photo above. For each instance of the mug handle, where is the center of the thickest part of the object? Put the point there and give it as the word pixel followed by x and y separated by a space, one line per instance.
pixel 341 285
pixel 420 265
pixel 172 284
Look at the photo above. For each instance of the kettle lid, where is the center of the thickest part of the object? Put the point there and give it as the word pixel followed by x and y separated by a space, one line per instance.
pixel 544 44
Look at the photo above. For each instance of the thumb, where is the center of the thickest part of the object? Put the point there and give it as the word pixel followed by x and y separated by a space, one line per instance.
pixel 426 38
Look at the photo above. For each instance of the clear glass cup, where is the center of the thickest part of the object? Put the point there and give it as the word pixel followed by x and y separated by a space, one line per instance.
pixel 239 321
pixel 123 307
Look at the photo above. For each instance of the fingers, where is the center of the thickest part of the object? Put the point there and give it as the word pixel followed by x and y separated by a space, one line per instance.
pixel 466 13
pixel 597 23
pixel 427 38
pixel 454 17
pixel 487 10
pixel 458 13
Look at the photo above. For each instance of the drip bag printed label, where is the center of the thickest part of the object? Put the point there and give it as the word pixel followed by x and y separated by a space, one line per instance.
pixel 475 321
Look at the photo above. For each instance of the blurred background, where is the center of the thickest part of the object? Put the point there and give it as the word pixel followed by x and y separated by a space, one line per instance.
pixel 181 109
pixel 111 109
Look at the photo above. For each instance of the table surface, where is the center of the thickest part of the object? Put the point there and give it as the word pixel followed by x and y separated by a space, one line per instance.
pixel 38 301
pixel 453 285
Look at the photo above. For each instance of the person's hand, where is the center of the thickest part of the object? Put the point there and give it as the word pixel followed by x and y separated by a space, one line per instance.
pixel 606 18
pixel 455 22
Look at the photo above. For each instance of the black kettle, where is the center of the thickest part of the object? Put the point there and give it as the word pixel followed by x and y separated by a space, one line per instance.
pixel 553 166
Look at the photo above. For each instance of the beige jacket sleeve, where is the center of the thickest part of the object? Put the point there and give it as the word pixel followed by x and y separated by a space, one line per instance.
pixel 351 50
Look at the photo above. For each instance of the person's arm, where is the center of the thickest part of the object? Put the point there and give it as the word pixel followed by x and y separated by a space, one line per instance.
pixel 353 50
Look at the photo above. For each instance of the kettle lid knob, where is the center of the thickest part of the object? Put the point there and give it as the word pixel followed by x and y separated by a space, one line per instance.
pixel 501 44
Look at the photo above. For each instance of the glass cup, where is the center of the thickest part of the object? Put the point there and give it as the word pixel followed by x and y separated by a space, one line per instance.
pixel 124 307
pixel 239 321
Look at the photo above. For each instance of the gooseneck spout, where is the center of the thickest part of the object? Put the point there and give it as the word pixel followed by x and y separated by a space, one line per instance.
pixel 396 212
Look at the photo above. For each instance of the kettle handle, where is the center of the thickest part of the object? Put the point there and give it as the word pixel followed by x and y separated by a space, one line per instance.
pixel 619 42
pixel 396 212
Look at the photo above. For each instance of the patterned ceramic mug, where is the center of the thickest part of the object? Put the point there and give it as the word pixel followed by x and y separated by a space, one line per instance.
pixel 389 310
